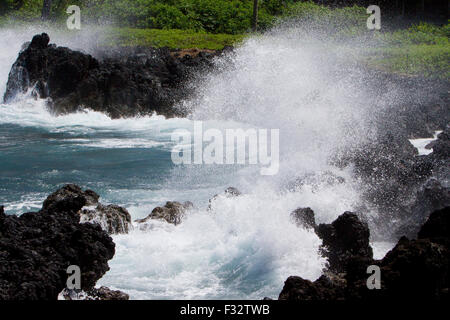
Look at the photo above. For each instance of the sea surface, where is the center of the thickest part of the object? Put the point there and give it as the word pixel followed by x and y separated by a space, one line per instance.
pixel 245 247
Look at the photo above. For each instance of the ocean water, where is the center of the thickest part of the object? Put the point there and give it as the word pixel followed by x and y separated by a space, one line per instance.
pixel 244 247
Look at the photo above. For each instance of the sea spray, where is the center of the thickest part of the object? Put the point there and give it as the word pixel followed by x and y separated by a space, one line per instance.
pixel 245 247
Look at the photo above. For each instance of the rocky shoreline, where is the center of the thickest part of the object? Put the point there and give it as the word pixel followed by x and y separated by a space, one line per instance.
pixel 128 82
pixel 74 228
pixel 36 249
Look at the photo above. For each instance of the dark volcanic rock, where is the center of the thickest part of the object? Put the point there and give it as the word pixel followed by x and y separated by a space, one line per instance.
pixel 346 237
pixel 36 249
pixel 437 227
pixel 172 212
pixel 304 217
pixel 143 82
pixel 113 219
pixel 71 190
pixel 413 269
pixel 104 293
pixel 324 288
pixel 441 146
pixel 431 196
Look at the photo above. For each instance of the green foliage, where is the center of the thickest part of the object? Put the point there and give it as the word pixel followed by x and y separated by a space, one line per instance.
pixel 174 39
pixel 422 33
pixel 421 59
pixel 346 20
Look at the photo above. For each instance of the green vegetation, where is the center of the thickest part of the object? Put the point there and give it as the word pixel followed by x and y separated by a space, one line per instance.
pixel 179 39
pixel 212 24
pixel 423 49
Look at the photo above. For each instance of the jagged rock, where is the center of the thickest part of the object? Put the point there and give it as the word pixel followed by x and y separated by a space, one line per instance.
pixel 71 190
pixel 437 227
pixel 172 212
pixel 413 269
pixel 441 146
pixel 104 293
pixel 324 288
pixel 431 196
pixel 304 217
pixel 113 219
pixel 346 237
pixel 135 82
pixel 36 249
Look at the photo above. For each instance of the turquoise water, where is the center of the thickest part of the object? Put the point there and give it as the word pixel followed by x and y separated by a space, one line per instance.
pixel 244 247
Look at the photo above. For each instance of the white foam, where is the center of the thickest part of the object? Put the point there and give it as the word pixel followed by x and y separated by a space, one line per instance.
pixel 421 143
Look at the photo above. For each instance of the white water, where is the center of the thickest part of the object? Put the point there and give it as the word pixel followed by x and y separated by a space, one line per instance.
pixel 246 246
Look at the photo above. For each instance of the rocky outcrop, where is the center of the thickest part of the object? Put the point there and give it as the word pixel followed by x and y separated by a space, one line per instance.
pixel 304 217
pixel 171 212
pixel 413 269
pixel 102 293
pixel 343 239
pixel 229 192
pixel 139 81
pixel 113 219
pixel 71 191
pixel 36 249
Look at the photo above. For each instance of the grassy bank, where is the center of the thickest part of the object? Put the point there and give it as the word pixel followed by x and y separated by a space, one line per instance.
pixel 174 39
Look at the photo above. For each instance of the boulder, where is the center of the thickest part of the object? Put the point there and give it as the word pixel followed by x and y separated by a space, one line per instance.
pixel 71 191
pixel 104 293
pixel 346 237
pixel 437 227
pixel 304 217
pixel 113 219
pixel 171 212
pixel 36 248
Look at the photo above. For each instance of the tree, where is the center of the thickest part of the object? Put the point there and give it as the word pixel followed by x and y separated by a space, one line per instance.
pixel 46 9
pixel 255 15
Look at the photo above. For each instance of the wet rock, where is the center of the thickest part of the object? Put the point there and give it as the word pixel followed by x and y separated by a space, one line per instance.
pixel 124 83
pixel 441 146
pixel 424 261
pixel 71 191
pixel 324 288
pixel 304 217
pixel 346 237
pixel 36 249
pixel 113 219
pixel 430 197
pixel 437 227
pixel 229 192
pixel 104 293
pixel 413 269
pixel 171 212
